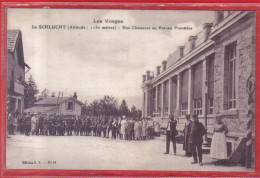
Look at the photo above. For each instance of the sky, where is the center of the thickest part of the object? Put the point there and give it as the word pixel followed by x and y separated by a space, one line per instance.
pixel 95 63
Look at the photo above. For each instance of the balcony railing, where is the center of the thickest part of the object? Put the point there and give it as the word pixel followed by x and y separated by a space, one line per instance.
pixel 18 88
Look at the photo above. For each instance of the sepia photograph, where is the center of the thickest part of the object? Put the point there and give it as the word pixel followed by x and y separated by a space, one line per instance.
pixel 125 89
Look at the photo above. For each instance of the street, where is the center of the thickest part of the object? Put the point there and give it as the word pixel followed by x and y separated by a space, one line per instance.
pixel 87 152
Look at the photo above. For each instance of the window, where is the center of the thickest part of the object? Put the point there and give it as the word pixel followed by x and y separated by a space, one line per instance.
pixel 184 109
pixel 166 98
pixel 197 107
pixel 210 104
pixel 197 88
pixel 70 106
pixel 210 79
pixel 173 93
pixel 159 97
pixel 144 104
pixel 231 74
pixel 154 100
pixel 184 93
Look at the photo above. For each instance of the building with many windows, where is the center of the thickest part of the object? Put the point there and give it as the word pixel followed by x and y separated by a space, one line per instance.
pixel 207 76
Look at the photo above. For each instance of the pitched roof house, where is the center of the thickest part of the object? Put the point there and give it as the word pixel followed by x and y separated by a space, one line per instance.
pixel 15 71
pixel 57 105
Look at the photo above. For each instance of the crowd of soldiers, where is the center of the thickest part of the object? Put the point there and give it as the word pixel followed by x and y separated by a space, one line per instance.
pixel 68 125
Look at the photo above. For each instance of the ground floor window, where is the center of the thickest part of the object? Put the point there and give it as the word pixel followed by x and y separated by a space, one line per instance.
pixel 197 106
pixel 184 109
pixel 210 104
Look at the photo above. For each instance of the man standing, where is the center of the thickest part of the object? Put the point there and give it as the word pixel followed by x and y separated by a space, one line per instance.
pixel 171 133
pixel 197 132
pixel 27 124
pixel 186 141
pixel 11 123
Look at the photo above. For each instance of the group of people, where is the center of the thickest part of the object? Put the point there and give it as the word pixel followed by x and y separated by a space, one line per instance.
pixel 193 138
pixel 125 129
pixel 61 125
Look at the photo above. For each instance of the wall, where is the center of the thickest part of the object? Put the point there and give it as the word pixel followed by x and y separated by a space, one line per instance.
pixel 13 65
pixel 243 33
pixel 76 111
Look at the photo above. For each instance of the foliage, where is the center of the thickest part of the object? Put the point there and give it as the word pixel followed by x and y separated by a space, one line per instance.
pixel 30 92
pixel 44 94
pixel 108 106
pixel 123 109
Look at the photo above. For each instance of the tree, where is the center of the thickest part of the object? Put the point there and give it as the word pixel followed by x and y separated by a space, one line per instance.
pixel 30 92
pixel 139 113
pixel 136 113
pixel 108 106
pixel 123 109
pixel 44 93
pixel 94 108
pixel 133 111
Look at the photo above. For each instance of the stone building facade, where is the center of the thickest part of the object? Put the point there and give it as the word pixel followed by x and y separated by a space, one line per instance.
pixel 207 76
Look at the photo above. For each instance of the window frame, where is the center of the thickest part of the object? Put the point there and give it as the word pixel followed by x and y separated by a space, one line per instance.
pixel 231 59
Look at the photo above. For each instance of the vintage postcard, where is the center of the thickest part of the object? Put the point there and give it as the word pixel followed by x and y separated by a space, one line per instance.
pixel 125 89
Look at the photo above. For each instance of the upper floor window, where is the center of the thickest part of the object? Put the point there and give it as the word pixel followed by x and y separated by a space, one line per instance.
pixel 70 106
pixel 230 52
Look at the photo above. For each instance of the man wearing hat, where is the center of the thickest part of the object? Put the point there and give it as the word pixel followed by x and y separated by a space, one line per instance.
pixel 197 132
pixel 171 133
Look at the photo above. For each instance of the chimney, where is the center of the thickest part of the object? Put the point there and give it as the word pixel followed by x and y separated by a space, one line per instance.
pixel 148 77
pixel 192 40
pixel 164 64
pixel 144 78
pixel 53 94
pixel 158 69
pixel 219 16
pixel 207 30
pixel 75 96
pixel 180 50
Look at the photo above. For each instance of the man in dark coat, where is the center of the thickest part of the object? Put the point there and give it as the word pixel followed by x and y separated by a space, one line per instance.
pixel 27 124
pixel 186 141
pixel 197 132
pixel 171 133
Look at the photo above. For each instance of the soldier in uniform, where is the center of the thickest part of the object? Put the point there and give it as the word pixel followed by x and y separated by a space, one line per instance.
pixel 70 125
pixel 77 125
pixel 197 132
pixel 132 131
pixel 88 126
pixel 46 125
pixel 94 125
pixel 82 126
pixel 114 128
pixel 109 126
pixel 104 126
pixel 171 133
pixel 150 128
pixel 11 123
pixel 41 120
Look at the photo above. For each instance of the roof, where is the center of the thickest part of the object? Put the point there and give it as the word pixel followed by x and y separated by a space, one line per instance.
pixel 12 39
pixel 36 109
pixel 55 100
